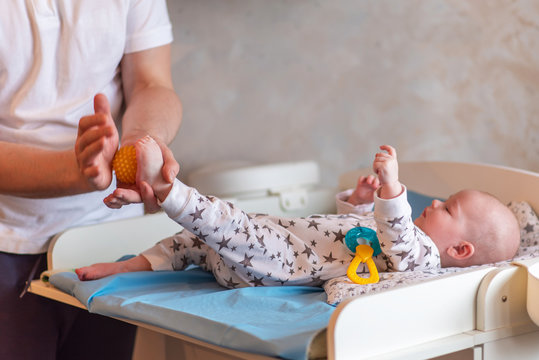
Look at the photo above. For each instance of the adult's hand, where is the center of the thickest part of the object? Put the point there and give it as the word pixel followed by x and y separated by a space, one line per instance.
pixel 96 144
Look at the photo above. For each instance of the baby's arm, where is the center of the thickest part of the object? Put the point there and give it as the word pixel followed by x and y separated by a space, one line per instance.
pixel 385 165
pixel 406 246
pixel 98 271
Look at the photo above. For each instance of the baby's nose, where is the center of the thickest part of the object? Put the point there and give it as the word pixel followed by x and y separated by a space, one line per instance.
pixel 436 203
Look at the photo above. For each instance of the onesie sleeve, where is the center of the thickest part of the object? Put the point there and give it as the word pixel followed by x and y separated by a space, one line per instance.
pixel 148 25
pixel 344 207
pixel 407 246
pixel 161 255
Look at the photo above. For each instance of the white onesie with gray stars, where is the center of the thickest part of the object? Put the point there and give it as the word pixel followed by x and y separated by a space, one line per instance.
pixel 243 249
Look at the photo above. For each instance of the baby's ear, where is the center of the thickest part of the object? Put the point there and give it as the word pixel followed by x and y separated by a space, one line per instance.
pixel 461 251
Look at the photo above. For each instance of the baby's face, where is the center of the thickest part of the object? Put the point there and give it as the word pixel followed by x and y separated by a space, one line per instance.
pixel 446 222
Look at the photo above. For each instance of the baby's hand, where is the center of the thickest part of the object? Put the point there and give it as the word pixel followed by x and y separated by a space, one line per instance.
pixel 385 165
pixel 364 191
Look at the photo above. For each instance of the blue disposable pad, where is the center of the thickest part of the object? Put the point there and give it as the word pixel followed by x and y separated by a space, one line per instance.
pixel 273 321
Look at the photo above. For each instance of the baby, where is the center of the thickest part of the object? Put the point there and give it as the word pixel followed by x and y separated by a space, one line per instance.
pixel 242 249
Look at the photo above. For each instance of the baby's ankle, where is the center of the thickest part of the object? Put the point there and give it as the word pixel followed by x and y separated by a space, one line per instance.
pixel 161 189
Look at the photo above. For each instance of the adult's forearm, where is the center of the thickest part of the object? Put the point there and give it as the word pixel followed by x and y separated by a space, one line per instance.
pixel 154 111
pixel 37 173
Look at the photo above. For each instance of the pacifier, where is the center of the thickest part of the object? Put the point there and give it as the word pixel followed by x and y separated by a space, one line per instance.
pixel 364 243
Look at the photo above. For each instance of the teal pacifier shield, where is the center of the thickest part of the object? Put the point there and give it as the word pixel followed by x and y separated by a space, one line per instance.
pixel 362 235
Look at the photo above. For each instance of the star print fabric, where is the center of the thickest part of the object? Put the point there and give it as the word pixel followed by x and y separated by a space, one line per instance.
pixel 408 247
pixel 243 249
pixel 528 224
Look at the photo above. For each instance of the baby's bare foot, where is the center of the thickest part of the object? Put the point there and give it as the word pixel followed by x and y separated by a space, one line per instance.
pixel 98 271
pixel 149 167
pixel 149 161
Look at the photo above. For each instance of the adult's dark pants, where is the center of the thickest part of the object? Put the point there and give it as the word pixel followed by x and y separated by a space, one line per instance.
pixel 37 328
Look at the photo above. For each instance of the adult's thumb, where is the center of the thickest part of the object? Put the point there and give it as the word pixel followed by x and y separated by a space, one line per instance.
pixel 101 104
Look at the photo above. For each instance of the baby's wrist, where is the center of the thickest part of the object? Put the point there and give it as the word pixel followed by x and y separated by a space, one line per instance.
pixel 390 190
pixel 353 199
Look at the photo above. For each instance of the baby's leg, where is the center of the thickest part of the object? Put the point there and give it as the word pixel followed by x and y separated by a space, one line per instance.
pixel 100 270
pixel 257 250
pixel 183 249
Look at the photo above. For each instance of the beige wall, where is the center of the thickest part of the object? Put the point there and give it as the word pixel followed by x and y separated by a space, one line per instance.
pixel 330 80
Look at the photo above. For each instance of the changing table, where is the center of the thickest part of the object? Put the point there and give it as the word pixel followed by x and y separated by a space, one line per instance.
pixel 484 313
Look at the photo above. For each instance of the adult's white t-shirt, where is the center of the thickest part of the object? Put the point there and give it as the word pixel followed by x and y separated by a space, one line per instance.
pixel 55 56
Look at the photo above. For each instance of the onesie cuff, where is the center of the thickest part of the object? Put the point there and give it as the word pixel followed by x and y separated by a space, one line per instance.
pixel 177 199
pixel 158 258
pixel 387 208
pixel 344 207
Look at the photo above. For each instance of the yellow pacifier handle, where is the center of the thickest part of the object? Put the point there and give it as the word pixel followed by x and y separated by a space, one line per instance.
pixel 363 254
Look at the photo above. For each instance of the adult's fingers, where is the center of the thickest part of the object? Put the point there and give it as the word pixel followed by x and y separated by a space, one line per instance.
pixel 101 104
pixel 171 167
pixel 148 197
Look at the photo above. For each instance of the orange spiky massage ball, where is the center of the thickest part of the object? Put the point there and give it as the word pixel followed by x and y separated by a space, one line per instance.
pixel 124 164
